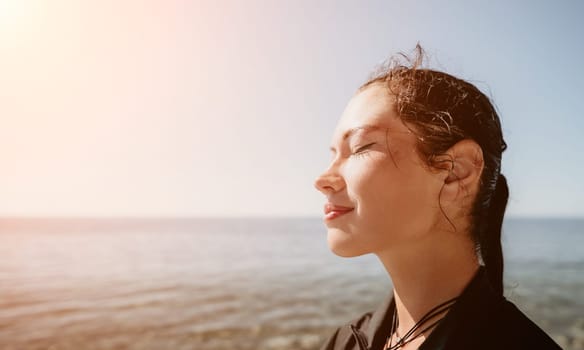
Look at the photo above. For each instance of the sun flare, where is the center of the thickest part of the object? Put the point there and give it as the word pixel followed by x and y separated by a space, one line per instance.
pixel 17 15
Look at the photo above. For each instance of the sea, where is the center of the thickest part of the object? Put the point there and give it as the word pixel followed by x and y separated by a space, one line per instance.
pixel 236 283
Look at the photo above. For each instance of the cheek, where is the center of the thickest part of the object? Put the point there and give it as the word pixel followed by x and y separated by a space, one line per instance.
pixel 364 184
pixel 378 186
pixel 375 191
pixel 393 204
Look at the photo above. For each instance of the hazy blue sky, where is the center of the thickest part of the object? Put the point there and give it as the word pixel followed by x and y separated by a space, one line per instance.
pixel 228 107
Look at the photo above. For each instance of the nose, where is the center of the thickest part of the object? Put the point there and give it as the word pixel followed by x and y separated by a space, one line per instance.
pixel 329 182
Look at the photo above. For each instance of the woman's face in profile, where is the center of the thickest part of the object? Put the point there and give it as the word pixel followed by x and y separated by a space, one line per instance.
pixel 376 171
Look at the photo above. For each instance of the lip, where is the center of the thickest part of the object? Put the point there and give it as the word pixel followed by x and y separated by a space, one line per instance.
pixel 332 211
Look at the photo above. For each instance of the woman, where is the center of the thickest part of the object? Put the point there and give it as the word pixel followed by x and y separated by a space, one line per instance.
pixel 415 179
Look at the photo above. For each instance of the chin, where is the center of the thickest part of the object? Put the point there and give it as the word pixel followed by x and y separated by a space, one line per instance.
pixel 343 244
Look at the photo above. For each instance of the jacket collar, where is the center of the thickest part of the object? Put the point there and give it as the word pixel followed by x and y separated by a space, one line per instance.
pixel 380 323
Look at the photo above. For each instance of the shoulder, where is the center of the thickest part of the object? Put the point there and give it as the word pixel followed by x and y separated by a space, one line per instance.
pixel 497 324
pixel 483 319
pixel 518 329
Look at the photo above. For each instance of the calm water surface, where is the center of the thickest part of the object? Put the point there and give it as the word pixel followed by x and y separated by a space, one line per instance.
pixel 235 283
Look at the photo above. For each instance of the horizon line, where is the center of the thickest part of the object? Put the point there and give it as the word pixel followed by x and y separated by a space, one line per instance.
pixel 191 217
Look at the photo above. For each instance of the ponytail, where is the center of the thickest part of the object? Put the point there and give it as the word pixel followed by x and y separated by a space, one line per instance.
pixel 490 245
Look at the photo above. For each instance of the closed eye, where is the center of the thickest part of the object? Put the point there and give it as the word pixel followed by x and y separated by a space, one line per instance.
pixel 361 149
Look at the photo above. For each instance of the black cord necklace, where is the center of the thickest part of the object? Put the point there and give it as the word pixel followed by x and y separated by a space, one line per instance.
pixel 437 310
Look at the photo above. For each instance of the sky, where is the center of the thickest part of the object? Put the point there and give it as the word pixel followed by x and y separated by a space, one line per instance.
pixel 227 108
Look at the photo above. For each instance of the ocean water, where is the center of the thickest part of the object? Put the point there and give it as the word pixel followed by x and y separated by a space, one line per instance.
pixel 236 283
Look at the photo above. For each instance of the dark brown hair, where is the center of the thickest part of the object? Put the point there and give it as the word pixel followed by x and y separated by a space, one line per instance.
pixel 442 111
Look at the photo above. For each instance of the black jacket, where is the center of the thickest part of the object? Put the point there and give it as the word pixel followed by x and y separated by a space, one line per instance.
pixel 478 320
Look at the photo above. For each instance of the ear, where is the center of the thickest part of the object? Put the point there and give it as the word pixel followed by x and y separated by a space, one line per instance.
pixel 462 178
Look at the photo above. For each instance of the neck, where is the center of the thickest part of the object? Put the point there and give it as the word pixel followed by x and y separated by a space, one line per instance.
pixel 428 274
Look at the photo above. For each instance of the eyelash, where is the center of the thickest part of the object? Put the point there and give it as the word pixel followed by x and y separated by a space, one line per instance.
pixel 359 152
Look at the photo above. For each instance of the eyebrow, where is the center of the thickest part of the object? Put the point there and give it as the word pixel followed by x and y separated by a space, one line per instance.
pixel 366 128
